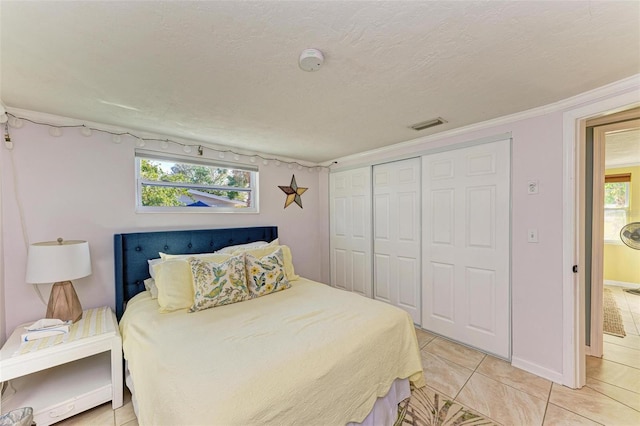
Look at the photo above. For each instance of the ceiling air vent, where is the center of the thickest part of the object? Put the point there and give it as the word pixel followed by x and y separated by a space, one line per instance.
pixel 429 123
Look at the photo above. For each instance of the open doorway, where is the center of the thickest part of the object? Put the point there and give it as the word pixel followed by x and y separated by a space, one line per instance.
pixel 613 311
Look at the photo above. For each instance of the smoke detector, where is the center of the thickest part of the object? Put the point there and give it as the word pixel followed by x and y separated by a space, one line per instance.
pixel 311 60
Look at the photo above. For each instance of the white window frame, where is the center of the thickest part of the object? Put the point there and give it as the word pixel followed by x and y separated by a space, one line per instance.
pixel 152 155
pixel 625 209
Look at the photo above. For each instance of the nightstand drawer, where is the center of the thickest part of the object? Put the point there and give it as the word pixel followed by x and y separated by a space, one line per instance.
pixel 58 393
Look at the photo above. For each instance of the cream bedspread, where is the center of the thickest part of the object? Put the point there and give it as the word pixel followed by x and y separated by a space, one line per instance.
pixel 309 355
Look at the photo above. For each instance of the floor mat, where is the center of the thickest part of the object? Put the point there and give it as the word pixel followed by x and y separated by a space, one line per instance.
pixel 427 408
pixel 612 320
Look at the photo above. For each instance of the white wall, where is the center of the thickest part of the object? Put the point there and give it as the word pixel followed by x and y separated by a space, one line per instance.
pixel 79 187
pixel 536 268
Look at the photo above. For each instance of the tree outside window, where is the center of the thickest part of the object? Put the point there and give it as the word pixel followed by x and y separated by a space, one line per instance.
pixel 616 205
pixel 166 183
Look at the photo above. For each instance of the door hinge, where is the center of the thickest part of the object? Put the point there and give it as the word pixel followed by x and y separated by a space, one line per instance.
pixel 575 269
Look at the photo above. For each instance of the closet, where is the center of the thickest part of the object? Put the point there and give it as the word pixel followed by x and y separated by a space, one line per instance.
pixel 430 235
pixel 350 229
pixel 396 235
pixel 466 246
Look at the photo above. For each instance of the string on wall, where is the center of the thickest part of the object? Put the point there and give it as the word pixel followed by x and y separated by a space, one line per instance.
pixel 56 130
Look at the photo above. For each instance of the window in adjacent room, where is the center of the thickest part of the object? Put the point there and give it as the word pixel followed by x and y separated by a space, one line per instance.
pixel 616 205
pixel 174 183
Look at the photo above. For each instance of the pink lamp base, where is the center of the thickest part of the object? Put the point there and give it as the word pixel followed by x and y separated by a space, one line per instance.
pixel 64 303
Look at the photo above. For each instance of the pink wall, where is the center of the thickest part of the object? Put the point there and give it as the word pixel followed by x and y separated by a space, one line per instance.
pixel 79 187
pixel 536 268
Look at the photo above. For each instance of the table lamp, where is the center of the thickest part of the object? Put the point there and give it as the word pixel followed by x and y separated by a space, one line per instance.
pixel 59 262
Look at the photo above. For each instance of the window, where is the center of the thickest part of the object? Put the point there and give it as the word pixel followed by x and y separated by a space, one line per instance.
pixel 616 205
pixel 173 183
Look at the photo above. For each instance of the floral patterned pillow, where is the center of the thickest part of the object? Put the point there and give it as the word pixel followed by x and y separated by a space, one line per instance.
pixel 266 274
pixel 217 284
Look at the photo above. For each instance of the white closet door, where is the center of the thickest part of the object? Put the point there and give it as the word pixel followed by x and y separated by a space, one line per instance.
pixel 466 245
pixel 350 228
pixel 396 240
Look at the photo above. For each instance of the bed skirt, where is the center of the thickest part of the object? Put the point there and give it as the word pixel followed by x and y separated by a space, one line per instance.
pixel 384 412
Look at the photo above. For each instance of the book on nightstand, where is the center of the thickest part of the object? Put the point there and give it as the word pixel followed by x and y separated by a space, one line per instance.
pixel 44 328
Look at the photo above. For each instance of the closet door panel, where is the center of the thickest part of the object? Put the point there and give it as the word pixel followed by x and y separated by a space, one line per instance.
pixel 408 275
pixel 350 230
pixel 339 257
pixel 381 289
pixel 480 296
pixel 360 272
pixel 466 245
pixel 440 299
pixel 396 239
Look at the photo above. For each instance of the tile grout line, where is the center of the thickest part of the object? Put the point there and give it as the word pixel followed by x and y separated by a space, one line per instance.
pixel 455 398
pixel 469 378
pixel 611 384
pixel 619 363
pixel 622 346
pixel 509 386
pixel 546 406
pixel 611 398
pixel 577 414
pixel 515 388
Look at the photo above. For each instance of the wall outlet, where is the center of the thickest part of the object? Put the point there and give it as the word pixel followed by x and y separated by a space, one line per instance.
pixel 532 187
pixel 532 236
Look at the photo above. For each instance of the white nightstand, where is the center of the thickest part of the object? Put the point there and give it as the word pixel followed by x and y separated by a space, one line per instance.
pixel 67 378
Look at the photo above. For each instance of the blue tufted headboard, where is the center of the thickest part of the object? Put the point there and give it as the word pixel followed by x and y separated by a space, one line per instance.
pixel 132 250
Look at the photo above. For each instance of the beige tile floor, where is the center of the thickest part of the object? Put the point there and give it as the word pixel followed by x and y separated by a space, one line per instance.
pixel 504 394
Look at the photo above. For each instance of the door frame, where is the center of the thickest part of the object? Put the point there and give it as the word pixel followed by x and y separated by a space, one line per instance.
pixel 597 230
pixel 573 219
pixel 597 245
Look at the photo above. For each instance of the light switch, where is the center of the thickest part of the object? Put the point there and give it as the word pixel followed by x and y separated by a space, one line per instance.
pixel 532 187
pixel 532 236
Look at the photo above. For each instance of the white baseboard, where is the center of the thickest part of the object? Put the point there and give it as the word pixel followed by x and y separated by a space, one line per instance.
pixel 621 284
pixel 536 369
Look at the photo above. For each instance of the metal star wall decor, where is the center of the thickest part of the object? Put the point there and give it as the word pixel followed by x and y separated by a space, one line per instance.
pixel 293 192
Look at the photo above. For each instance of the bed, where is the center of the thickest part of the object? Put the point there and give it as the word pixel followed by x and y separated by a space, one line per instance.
pixel 309 354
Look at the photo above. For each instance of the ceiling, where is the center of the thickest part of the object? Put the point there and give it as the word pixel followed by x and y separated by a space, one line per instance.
pixel 622 148
pixel 227 72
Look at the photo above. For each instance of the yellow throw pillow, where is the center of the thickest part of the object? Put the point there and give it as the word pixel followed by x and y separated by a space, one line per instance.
pixel 175 282
pixel 266 274
pixel 286 252
pixel 217 284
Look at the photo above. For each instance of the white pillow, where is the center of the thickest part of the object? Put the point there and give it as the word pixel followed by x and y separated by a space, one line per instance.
pixel 167 256
pixel 232 249
pixel 150 285
pixel 151 263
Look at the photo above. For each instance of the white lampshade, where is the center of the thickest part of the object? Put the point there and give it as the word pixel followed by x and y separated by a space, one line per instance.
pixel 54 261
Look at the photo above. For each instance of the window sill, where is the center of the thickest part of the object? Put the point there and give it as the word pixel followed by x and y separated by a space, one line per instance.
pixel 195 210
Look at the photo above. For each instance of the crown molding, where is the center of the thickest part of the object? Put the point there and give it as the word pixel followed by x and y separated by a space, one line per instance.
pixel 619 86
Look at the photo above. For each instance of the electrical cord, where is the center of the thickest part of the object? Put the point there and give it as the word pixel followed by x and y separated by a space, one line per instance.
pixel 16 194
pixel 16 121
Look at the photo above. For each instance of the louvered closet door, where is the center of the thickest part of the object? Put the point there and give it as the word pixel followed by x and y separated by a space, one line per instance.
pixel 396 239
pixel 350 228
pixel 466 245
